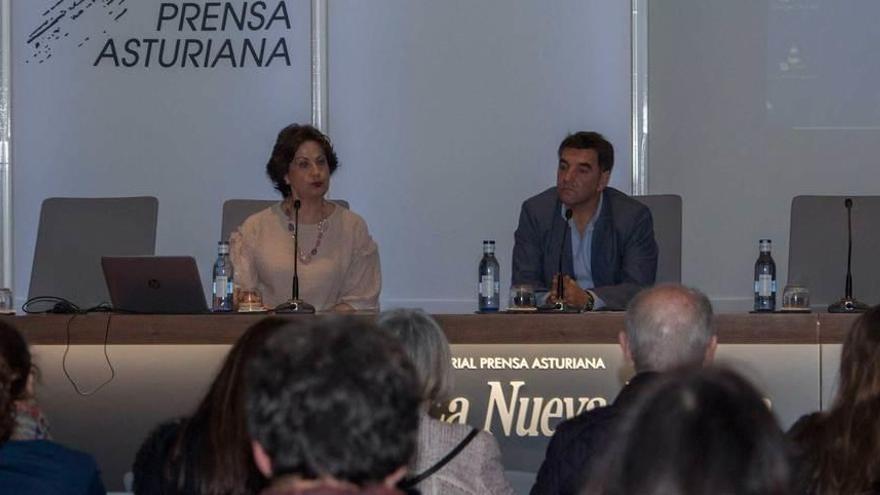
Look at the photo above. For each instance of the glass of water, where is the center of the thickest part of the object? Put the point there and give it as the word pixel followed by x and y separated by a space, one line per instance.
pixel 522 296
pixel 795 298
pixel 250 301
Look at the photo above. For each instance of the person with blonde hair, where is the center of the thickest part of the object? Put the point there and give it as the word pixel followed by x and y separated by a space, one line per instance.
pixel 451 458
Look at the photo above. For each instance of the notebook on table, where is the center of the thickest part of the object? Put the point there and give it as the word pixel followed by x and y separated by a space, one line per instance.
pixel 154 284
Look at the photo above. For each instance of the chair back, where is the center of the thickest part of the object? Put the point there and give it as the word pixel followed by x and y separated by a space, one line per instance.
pixel 236 211
pixel 74 233
pixel 817 248
pixel 666 211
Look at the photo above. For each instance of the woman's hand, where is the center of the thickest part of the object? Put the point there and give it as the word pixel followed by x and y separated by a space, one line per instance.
pixel 343 308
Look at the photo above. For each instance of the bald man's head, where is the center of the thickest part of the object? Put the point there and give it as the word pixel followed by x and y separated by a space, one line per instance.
pixel 669 326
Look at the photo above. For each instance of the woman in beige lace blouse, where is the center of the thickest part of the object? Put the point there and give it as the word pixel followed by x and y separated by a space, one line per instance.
pixel 338 260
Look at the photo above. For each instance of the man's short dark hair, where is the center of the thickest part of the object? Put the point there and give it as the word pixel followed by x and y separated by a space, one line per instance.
pixel 334 397
pixel 588 140
pixel 289 140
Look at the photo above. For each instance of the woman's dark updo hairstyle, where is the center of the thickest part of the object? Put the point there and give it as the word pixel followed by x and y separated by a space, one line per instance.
pixel 289 140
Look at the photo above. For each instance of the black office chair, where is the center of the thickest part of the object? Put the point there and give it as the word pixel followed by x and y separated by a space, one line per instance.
pixel 666 211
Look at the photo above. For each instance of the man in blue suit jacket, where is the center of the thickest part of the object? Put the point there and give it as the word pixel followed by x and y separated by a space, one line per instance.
pixel 610 253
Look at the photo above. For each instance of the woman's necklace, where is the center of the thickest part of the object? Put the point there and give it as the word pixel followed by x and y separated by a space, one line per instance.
pixel 322 227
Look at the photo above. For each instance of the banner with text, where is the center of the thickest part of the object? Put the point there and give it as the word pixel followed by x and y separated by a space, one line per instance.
pixel 521 393
pixel 176 99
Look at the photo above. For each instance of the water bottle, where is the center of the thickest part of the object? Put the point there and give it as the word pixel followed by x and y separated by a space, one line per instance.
pixel 223 280
pixel 490 279
pixel 765 278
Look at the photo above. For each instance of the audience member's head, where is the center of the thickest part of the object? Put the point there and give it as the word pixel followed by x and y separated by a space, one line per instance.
pixel 213 446
pixel 842 447
pixel 14 350
pixel 333 401
pixel 668 327
pixel 427 347
pixel 698 432
pixel 860 362
pixel 7 401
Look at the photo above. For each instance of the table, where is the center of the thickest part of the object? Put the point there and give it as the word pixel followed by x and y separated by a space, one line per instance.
pixel 590 328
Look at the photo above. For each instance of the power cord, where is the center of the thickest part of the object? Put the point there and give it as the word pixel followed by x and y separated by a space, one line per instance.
pixel 50 304
pixel 106 357
pixel 60 305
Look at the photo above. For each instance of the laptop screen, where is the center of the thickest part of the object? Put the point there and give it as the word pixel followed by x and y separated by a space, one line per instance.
pixel 154 284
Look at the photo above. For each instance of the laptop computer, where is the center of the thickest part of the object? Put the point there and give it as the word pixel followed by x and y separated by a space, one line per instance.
pixel 154 284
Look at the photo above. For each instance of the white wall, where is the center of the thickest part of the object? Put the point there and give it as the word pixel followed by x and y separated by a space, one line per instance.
pixel 445 115
pixel 738 137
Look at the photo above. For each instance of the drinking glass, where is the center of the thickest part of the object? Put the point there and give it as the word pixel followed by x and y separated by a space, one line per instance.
pixel 795 297
pixel 250 300
pixel 522 296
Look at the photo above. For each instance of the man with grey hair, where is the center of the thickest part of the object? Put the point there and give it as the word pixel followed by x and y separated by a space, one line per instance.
pixel 667 327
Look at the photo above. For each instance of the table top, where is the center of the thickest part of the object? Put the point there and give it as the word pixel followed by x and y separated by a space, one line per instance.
pixel 586 328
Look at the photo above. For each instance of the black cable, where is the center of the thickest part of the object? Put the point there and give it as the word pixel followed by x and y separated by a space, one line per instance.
pixel 104 307
pixel 106 357
pixel 59 305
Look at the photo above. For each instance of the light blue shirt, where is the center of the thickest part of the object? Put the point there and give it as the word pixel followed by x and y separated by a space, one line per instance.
pixel 581 250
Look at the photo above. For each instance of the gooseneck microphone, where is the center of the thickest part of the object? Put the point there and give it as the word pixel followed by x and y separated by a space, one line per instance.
pixel 560 282
pixel 295 304
pixel 294 292
pixel 848 304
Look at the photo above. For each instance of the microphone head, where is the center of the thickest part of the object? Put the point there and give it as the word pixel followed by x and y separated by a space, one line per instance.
pixel 568 214
pixel 296 204
pixel 847 202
